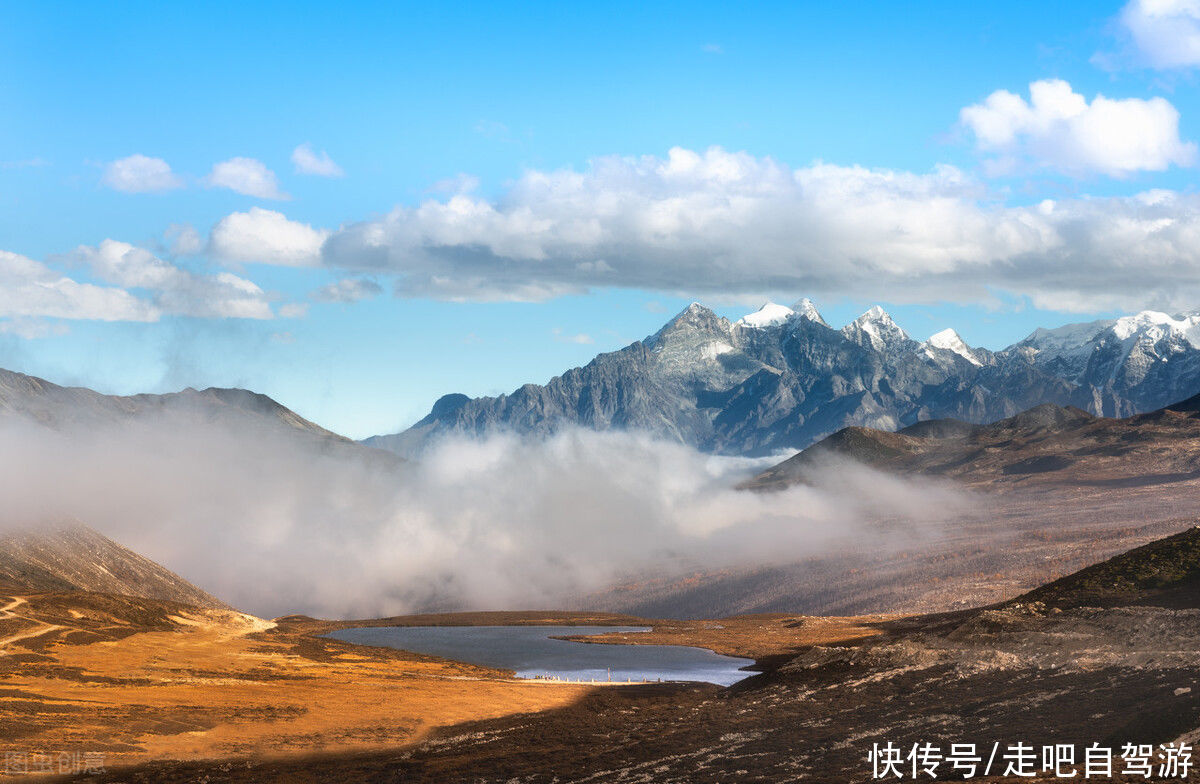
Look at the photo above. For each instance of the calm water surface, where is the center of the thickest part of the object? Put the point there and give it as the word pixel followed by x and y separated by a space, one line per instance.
pixel 531 653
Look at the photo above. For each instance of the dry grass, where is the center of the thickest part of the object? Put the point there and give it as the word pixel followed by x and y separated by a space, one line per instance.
pixel 219 684
pixel 751 636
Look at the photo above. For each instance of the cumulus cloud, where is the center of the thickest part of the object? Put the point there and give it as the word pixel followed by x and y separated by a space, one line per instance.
pixel 274 527
pixel 348 290
pixel 140 174
pixel 266 237
pixel 1163 34
pixel 721 223
pixel 29 288
pixel 182 239
pixel 1058 129
pixel 308 161
pixel 247 176
pixel 173 289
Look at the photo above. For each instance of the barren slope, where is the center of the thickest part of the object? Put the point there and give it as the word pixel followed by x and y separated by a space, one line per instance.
pixel 73 557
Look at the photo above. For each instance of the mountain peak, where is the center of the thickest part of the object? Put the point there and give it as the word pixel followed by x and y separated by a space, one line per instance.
pixel 769 315
pixel 876 330
pixel 949 340
pixel 692 319
pixel 807 310
pixel 945 338
pixel 876 314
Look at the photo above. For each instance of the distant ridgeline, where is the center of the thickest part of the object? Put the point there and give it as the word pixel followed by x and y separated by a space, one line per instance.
pixel 781 378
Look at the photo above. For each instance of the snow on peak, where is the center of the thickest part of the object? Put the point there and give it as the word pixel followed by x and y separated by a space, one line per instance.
pixel 1153 325
pixel 875 329
pixel 806 309
pixel 949 340
pixel 1080 340
pixel 769 315
pixel 876 314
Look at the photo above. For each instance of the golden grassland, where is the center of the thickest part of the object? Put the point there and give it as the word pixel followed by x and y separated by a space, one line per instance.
pixel 141 680
pixel 209 684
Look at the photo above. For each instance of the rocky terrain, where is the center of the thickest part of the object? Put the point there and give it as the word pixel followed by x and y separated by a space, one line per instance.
pixel 1047 445
pixel 73 557
pixel 1050 490
pixel 1107 657
pixel 782 378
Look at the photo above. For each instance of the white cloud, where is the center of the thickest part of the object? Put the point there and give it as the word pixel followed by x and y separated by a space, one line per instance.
pixel 1164 34
pixel 174 289
pixel 728 224
pixel 266 237
pixel 308 161
pixel 1058 129
pixel 140 174
pixel 183 240
pixel 348 290
pixel 31 289
pixel 246 176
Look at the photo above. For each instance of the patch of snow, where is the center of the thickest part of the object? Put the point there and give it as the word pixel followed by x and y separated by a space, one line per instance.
pixel 807 310
pixel 769 315
pixel 714 350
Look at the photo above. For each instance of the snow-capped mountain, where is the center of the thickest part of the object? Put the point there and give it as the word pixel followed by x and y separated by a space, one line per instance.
pixel 875 330
pixel 1125 365
pixel 769 315
pixel 949 340
pixel 781 378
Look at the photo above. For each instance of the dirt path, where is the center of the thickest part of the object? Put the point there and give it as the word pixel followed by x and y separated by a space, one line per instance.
pixel 8 613
pixel 16 602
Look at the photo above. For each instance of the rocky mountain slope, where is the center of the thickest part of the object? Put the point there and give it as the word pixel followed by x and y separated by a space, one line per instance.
pixel 1164 573
pixel 73 557
pixel 782 378
pixel 1046 445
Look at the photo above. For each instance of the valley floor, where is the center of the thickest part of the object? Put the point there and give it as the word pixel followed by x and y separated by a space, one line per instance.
pixel 127 680
pixel 93 680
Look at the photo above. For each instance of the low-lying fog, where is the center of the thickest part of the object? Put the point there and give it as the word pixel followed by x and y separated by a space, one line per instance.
pixel 272 524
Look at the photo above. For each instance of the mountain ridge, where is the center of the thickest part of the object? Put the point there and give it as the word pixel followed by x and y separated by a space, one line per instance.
pixel 70 556
pixel 781 378
pixel 47 403
pixel 1047 444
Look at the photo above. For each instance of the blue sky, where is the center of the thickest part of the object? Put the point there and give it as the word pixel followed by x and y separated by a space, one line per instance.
pixel 520 124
